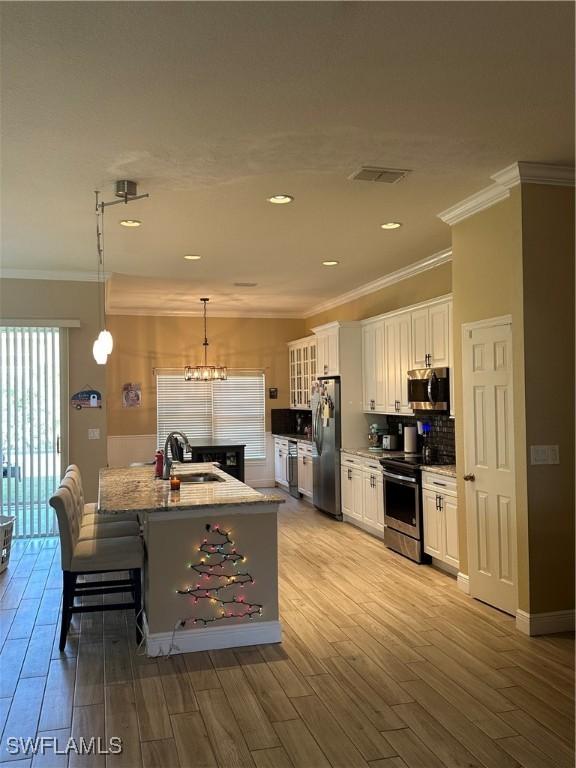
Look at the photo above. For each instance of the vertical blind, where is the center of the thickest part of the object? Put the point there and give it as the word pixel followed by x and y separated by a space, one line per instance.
pixel 231 410
pixel 29 426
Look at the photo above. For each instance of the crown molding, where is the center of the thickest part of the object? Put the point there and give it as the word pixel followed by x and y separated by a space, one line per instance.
pixel 43 274
pixel 431 262
pixel 486 198
pixel 523 172
pixel 131 312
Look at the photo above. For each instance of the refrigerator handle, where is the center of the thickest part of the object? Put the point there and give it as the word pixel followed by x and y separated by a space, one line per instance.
pixel 317 438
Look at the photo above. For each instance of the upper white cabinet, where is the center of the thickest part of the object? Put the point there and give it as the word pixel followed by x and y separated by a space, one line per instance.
pixel 302 360
pixel 431 336
pixel 393 344
pixel 397 356
pixel 328 349
pixel 373 365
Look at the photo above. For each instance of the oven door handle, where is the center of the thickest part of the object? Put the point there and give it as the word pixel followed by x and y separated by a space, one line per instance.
pixel 401 478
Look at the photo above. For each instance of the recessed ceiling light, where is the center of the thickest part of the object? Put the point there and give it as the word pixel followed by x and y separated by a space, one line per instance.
pixel 280 199
pixel 330 263
pixel 391 225
pixel 131 223
pixel 192 257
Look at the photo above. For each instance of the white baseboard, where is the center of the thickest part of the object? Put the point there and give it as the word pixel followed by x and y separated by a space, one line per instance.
pixel 445 567
pixel 213 638
pixel 463 582
pixel 544 623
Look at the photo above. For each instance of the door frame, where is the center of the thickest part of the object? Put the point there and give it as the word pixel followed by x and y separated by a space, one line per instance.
pixel 493 322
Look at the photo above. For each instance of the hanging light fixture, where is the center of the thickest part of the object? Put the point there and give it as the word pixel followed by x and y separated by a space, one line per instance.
pixel 205 372
pixel 126 191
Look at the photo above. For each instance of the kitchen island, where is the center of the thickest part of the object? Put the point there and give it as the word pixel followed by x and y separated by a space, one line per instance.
pixel 211 569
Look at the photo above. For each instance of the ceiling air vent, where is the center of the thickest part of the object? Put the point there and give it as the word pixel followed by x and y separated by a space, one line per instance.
pixel 384 175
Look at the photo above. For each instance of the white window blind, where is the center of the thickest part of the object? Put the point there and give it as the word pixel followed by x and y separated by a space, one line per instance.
pixel 231 410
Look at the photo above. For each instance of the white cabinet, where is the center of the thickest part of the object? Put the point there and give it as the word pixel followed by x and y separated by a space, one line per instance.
pixel 302 362
pixel 373 367
pixel 305 458
pixel 431 334
pixel 440 513
pixel 362 493
pixel 328 349
pixel 351 492
pixel 396 343
pixel 373 498
pixel 397 356
pixel 281 461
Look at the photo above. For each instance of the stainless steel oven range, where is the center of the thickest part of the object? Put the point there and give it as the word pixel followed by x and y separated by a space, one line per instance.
pixel 403 529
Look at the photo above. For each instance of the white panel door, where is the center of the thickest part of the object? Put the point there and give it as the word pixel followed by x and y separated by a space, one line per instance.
pixel 489 462
pixel 350 507
pixel 370 511
pixel 439 335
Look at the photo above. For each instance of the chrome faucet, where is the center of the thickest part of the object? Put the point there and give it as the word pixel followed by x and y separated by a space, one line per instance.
pixel 168 462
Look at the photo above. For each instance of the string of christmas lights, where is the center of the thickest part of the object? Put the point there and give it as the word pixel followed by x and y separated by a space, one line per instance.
pixel 211 593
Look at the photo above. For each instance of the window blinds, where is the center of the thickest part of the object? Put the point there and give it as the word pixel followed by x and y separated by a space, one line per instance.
pixel 231 410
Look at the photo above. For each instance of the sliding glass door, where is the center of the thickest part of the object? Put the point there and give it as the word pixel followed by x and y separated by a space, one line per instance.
pixel 30 426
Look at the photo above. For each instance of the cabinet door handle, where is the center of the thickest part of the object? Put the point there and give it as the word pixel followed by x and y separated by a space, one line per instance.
pixel 349 474
pixel 437 497
pixel 470 477
pixel 440 502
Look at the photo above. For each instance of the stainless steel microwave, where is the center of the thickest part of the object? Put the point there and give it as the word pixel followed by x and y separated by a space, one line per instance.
pixel 428 389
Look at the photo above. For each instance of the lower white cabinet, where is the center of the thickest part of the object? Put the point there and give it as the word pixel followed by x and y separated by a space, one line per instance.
pixel 305 457
pixel 362 492
pixel 281 461
pixel 440 513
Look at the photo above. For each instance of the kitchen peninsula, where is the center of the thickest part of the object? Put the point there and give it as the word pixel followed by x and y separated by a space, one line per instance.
pixel 211 572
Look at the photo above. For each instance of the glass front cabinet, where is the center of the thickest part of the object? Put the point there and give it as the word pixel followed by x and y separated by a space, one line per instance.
pixel 302 362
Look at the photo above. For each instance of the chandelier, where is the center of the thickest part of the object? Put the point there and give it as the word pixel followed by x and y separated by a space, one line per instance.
pixel 205 372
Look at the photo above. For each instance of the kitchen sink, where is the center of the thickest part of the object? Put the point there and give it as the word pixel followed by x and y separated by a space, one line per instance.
pixel 200 477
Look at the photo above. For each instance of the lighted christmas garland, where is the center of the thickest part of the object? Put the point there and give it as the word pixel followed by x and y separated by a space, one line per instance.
pixel 208 572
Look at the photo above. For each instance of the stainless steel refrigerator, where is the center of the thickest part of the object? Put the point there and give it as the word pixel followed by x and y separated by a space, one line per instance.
pixel 325 406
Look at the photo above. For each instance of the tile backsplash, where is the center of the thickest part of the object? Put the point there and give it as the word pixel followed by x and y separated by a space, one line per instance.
pixel 441 434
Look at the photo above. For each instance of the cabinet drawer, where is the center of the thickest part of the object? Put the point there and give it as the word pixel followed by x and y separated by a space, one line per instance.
pixel 350 460
pixel 439 483
pixel 372 466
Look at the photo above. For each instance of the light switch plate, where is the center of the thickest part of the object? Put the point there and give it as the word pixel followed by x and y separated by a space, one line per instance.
pixel 93 434
pixel 544 454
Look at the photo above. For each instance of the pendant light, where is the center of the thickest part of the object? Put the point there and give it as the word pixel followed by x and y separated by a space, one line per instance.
pixel 127 191
pixel 205 372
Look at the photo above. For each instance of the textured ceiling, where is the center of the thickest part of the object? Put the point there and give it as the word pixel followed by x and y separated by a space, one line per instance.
pixel 212 107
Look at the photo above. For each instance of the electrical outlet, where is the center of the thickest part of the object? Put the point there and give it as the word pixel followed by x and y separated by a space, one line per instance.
pixel 544 454
pixel 93 434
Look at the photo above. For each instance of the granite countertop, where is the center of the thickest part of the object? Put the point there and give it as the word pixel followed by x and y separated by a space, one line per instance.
pixel 365 453
pixel 300 438
pixel 135 489
pixel 441 469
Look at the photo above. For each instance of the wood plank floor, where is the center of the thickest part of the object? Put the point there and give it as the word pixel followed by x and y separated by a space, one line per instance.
pixel 384 664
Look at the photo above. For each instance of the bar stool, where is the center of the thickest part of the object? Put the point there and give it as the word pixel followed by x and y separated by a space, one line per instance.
pixel 84 557
pixel 91 526
pixel 91 509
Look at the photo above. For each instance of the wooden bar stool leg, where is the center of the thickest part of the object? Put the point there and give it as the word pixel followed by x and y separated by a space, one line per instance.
pixel 68 586
pixel 137 589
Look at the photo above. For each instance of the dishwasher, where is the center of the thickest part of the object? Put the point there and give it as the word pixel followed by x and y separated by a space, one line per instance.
pixel 293 468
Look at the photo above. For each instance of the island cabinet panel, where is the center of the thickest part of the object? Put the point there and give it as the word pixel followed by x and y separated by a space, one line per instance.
pixel 211 565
